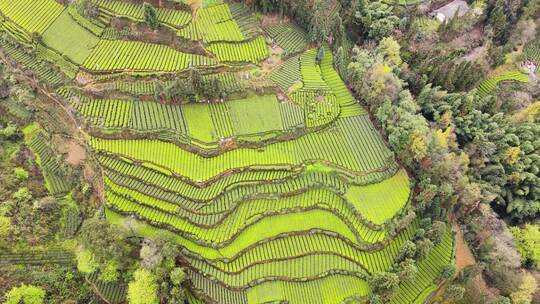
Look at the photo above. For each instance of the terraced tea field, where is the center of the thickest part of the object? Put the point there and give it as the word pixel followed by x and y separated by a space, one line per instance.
pixel 281 194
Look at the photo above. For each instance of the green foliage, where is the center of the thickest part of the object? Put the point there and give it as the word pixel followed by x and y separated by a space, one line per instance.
pixel 448 272
pixel 143 289
pixel 407 270
pixel 384 284
pixel 25 294
pixel 107 251
pixel 376 19
pixel 23 194
pixel 5 226
pixel 528 243
pixel 177 276
pixel 9 132
pixel 390 50
pixel 87 8
pixel 20 173
pixel 436 232
pixel 449 71
pixel 406 251
pixel 150 16
pixel 497 19
pixel 320 55
pixel 86 262
pixel 454 293
pixel 110 272
pixel 524 294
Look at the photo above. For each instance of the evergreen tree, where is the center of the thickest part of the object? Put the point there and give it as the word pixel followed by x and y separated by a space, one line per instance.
pixel 150 16
pixel 498 22
pixel 320 55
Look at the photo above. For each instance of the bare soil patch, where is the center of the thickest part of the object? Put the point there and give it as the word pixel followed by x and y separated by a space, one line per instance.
pixel 194 4
pixel 272 19
pixel 273 61
pixel 76 154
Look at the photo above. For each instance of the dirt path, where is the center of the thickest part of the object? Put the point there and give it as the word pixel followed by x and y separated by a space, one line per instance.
pixel 464 256
pixel 194 4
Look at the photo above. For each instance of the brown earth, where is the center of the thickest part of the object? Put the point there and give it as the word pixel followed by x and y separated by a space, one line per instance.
pixel 272 19
pixel 273 61
pixel 76 154
pixel 464 256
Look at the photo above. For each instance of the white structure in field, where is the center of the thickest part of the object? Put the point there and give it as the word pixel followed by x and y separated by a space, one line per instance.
pixel 456 8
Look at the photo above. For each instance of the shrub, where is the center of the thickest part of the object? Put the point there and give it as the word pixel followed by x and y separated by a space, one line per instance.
pixel 528 243
pixel 20 174
pixel 5 226
pixel 25 294
pixel 143 288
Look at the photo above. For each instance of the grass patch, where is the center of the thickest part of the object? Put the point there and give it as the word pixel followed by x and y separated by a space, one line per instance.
pixel 199 122
pixel 69 38
pixel 256 114
pixel 381 201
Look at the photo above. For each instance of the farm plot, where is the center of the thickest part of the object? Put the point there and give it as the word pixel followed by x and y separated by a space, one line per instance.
pixel 213 24
pixel 106 113
pixel 225 199
pixel 120 55
pixel 211 223
pixel 256 230
pixel 319 109
pixel 289 37
pixel 114 292
pixel 56 177
pixel 123 114
pixel 199 122
pixel 92 25
pixel 294 268
pixel 349 106
pixel 333 289
pixel 69 38
pixel 292 116
pixel 36 257
pixel 44 72
pixel 488 85
pixel 253 51
pixel 256 114
pixel 429 270
pixel 16 32
pixel 532 51
pixel 287 74
pixel 380 202
pixel 170 17
pixel 311 72
pixel 31 15
pixel 302 244
pixel 368 153
pixel 247 22
pixel 221 118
